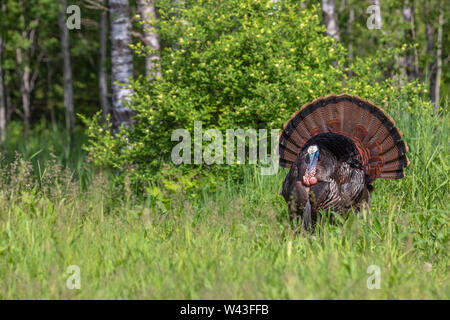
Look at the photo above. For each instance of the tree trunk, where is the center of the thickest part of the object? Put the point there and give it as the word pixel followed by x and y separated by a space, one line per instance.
pixel 439 58
pixel 50 104
pixel 25 56
pixel 147 13
pixel 121 62
pixel 330 18
pixel 378 17
pixel 351 19
pixel 102 78
pixel 411 59
pixel 10 108
pixel 429 30
pixel 68 86
pixel 25 90
pixel 2 100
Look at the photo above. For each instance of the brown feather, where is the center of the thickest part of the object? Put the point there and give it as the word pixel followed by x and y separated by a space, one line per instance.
pixel 370 128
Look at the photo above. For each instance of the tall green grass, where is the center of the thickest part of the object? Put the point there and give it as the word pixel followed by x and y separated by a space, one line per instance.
pixel 235 243
pixel 47 145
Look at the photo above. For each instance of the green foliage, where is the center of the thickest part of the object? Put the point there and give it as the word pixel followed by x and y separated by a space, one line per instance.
pixel 235 64
pixel 32 27
pixel 47 145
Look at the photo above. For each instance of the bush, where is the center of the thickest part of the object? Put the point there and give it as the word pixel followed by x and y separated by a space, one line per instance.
pixel 231 64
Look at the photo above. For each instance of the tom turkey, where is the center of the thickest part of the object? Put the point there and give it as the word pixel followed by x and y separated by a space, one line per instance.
pixel 335 147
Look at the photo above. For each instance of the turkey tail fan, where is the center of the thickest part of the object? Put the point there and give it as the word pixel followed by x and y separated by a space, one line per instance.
pixel 381 150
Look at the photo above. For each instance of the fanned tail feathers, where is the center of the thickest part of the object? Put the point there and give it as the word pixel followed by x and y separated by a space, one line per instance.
pixel 381 150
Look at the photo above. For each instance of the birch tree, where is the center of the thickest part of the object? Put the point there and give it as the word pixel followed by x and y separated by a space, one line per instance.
pixel 121 62
pixel 49 101
pixel 411 59
pixel 25 55
pixel 147 14
pixel 330 18
pixel 102 77
pixel 351 19
pixel 2 99
pixel 378 13
pixel 431 66
pixel 67 72
pixel 437 87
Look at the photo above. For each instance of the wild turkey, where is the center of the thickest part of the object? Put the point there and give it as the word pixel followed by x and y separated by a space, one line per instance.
pixel 335 147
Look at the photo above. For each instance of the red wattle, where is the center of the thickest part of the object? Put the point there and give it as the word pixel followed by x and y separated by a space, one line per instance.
pixel 306 180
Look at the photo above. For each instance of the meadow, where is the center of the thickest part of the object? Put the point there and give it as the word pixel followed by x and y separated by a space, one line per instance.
pixel 235 243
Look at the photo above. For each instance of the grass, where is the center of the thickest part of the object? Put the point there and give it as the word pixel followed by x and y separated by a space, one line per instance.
pixel 236 243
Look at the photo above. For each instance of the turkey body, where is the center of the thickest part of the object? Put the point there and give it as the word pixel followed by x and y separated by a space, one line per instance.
pixel 341 181
pixel 335 147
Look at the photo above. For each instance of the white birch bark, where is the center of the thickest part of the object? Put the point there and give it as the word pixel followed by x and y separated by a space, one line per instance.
pixel 102 77
pixel 330 18
pixel 121 62
pixel 351 19
pixel 439 57
pixel 411 60
pixel 2 99
pixel 25 89
pixel 378 20
pixel 67 72
pixel 147 13
pixel 429 31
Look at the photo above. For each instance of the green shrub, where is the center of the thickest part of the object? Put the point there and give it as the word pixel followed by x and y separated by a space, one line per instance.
pixel 232 64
